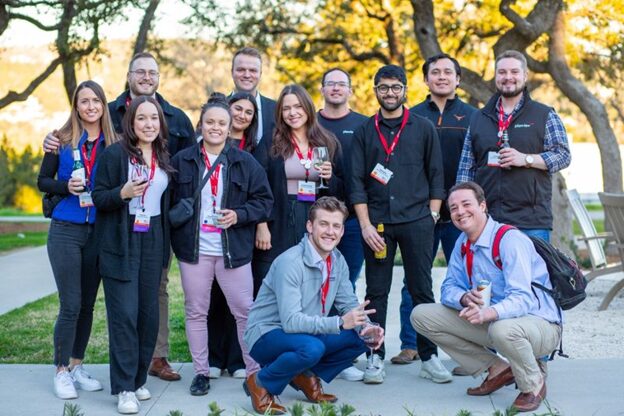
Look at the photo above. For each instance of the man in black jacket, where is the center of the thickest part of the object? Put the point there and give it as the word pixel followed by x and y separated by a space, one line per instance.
pixel 143 78
pixel 397 181
pixel 450 116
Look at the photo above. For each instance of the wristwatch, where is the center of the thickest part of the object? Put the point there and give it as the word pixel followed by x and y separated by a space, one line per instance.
pixel 528 160
pixel 435 215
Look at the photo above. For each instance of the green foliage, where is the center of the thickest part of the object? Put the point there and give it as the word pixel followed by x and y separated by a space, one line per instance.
pixel 71 409
pixel 175 413
pixel 214 409
pixel 17 171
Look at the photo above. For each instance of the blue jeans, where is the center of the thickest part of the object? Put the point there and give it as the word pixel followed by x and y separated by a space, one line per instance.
pixel 351 248
pixel 283 356
pixel 447 234
pixel 542 233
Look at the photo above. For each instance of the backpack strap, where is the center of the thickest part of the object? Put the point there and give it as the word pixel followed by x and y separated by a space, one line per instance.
pixel 496 245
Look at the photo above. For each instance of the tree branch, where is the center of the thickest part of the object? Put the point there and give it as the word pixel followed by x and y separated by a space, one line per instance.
pixel 424 28
pixel 141 39
pixel 34 22
pixel 13 96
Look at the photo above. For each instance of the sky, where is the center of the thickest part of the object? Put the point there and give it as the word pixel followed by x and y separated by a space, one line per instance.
pixel 168 15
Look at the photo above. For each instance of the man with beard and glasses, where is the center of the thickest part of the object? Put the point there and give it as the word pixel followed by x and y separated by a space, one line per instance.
pixel 512 148
pixel 397 181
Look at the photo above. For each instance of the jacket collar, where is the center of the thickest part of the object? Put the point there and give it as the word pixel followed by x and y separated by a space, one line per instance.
pixel 450 103
pixel 231 154
pixel 310 255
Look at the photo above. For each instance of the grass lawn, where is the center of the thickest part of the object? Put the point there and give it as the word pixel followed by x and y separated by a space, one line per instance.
pixel 25 239
pixel 14 212
pixel 26 333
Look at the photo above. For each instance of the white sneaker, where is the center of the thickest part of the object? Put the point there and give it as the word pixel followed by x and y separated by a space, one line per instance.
pixel 64 386
pixel 375 372
pixel 434 370
pixel 83 380
pixel 215 372
pixel 143 393
pixel 127 403
pixel 351 374
pixel 240 373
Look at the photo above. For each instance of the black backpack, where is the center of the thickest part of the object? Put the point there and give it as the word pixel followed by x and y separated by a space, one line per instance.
pixel 567 279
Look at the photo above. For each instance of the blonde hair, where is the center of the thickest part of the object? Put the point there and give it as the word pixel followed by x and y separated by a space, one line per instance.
pixel 72 130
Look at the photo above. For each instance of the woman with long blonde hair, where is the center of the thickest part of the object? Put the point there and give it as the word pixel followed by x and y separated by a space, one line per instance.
pixel 72 247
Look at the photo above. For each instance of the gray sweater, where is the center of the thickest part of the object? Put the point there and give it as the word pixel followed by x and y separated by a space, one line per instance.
pixel 290 295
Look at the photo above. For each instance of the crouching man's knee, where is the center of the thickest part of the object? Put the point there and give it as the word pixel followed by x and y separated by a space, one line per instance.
pixel 423 317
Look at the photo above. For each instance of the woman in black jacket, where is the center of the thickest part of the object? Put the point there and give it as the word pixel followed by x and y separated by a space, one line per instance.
pixel 132 201
pixel 287 159
pixel 218 241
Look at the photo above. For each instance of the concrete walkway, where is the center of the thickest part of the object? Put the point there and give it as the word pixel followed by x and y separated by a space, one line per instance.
pixel 575 387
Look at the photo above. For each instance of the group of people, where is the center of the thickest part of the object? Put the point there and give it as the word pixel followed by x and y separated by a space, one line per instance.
pixel 281 206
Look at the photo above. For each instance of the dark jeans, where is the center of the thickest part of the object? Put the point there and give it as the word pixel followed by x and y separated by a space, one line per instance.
pixel 351 248
pixel 447 234
pixel 72 251
pixel 132 310
pixel 283 356
pixel 542 233
pixel 415 240
pixel 224 349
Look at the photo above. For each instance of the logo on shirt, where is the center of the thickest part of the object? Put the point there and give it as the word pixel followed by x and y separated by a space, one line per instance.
pixel 523 126
pixel 347 132
pixel 459 117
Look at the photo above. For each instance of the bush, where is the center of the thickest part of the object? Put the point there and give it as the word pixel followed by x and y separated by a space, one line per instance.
pixel 27 199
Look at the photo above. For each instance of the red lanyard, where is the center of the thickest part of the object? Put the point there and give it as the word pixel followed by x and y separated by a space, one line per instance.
pixel 90 162
pixel 214 178
pixel 503 124
pixel 465 249
pixel 325 287
pixel 151 176
pixel 241 145
pixel 306 163
pixel 395 140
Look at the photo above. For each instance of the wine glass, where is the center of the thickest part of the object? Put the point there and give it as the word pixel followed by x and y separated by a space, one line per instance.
pixel 370 338
pixel 320 155
pixel 139 173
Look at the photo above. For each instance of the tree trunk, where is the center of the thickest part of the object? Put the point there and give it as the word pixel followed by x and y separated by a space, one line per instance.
pixel 562 236
pixel 141 40
pixel 593 109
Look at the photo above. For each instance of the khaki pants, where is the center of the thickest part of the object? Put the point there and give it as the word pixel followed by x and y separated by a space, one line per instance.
pixel 162 342
pixel 522 341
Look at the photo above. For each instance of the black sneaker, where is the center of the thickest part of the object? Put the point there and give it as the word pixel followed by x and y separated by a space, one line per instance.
pixel 200 385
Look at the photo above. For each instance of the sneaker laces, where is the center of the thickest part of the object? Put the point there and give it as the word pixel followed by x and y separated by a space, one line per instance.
pixel 65 378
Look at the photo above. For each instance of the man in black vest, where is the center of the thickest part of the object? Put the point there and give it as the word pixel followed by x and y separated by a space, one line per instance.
pixel 450 116
pixel 512 148
pixel 397 181
pixel 143 78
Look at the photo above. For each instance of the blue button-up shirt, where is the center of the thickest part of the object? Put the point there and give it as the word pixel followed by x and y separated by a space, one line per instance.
pixel 512 293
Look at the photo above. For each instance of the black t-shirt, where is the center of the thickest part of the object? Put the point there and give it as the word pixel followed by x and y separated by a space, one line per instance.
pixel 343 128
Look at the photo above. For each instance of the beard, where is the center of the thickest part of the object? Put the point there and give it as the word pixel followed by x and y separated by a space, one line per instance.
pixel 511 93
pixel 391 107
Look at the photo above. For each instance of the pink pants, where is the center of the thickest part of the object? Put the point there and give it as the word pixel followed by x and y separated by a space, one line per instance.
pixel 237 286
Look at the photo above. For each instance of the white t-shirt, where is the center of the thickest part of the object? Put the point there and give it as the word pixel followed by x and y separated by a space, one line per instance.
pixel 153 193
pixel 210 242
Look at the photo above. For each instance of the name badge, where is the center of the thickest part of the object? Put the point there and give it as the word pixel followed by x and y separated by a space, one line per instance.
pixel 210 222
pixel 85 200
pixel 492 159
pixel 306 191
pixel 141 222
pixel 381 174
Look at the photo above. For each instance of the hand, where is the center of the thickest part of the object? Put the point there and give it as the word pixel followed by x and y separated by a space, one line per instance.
pixel 372 238
pixel 477 315
pixel 325 170
pixel 228 218
pixel 509 157
pixel 376 331
pixel 473 296
pixel 356 316
pixel 263 236
pixel 51 143
pixel 75 186
pixel 132 189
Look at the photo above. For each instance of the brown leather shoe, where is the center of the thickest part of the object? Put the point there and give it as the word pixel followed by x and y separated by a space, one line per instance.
pixel 527 402
pixel 490 385
pixel 312 388
pixel 262 401
pixel 160 368
pixel 406 356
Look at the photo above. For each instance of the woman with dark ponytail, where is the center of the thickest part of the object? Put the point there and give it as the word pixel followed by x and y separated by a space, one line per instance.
pixel 217 243
pixel 132 200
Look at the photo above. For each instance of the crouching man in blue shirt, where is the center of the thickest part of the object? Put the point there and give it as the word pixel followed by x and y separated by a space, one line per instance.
pixel 522 324
pixel 288 331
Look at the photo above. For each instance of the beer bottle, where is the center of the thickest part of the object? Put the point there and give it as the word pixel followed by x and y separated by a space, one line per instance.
pixel 78 170
pixel 505 144
pixel 381 254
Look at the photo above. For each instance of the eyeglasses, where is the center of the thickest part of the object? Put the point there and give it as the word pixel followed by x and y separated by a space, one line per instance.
pixel 383 88
pixel 141 73
pixel 332 84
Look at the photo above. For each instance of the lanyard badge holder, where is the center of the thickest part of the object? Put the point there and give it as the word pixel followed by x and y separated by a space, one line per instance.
pixel 141 217
pixel 306 190
pixel 503 137
pixel 85 199
pixel 380 173
pixel 210 217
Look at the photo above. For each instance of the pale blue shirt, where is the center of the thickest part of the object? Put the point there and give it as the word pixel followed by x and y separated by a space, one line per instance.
pixel 259 105
pixel 512 293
